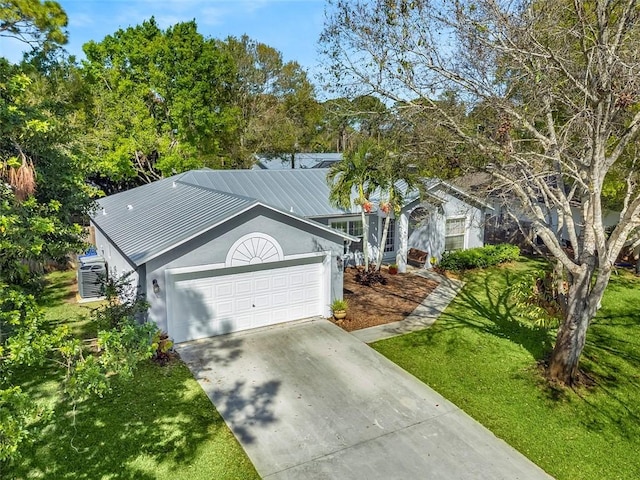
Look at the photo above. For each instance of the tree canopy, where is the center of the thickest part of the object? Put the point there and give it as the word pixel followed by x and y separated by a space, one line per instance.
pixel 277 103
pixel 553 89
pixel 160 103
pixel 37 23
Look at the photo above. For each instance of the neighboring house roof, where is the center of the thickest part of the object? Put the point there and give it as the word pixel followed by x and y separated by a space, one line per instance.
pixel 150 220
pixel 301 160
pixel 433 185
pixel 326 163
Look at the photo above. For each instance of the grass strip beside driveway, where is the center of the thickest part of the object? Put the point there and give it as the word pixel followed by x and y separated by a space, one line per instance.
pixel 482 358
pixel 158 425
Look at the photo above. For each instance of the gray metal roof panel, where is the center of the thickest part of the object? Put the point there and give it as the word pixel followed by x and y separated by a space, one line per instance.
pixel 304 192
pixel 147 221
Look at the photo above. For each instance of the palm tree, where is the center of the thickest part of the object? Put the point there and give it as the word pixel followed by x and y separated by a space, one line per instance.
pixel 357 171
pixel 395 177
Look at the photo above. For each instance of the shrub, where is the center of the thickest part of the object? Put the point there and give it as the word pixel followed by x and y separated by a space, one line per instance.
pixel 480 257
pixel 535 296
pixel 370 277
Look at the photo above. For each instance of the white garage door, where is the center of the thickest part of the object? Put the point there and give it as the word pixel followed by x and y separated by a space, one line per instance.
pixel 204 304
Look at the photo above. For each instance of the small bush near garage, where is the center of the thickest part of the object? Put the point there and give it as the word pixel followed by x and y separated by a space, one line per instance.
pixel 481 257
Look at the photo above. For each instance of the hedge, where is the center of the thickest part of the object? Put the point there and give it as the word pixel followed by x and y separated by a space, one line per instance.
pixel 480 257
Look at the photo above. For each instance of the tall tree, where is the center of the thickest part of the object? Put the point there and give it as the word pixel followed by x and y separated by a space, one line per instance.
pixel 345 122
pixel 42 191
pixel 161 103
pixel 280 113
pixel 561 81
pixel 40 24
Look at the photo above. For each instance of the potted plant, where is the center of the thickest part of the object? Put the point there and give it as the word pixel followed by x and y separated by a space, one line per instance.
pixel 393 269
pixel 339 308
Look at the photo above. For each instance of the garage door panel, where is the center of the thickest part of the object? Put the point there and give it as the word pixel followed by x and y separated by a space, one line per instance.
pixel 243 304
pixel 262 284
pixel 297 279
pixel 279 282
pixel 224 290
pixel 280 299
pixel 308 294
pixel 262 301
pixel 217 304
pixel 243 287
pixel 296 296
pixel 225 308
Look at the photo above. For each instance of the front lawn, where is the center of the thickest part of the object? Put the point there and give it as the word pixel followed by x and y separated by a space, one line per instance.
pixel 481 358
pixel 159 425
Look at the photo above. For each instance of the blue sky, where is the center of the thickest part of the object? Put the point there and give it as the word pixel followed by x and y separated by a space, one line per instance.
pixel 290 26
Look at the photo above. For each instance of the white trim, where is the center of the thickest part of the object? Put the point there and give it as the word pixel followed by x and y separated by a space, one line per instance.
pixel 217 266
pixel 465 233
pixel 403 247
pixel 229 262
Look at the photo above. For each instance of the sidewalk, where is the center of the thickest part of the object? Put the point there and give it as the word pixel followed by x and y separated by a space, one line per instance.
pixel 423 316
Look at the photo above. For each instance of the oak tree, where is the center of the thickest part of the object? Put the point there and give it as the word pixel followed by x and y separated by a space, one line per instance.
pixel 559 85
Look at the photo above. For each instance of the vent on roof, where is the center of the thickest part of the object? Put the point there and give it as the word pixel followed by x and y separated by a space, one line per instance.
pixel 129 207
pixel 90 270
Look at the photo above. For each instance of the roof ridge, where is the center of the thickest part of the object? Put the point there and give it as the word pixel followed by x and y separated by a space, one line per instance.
pixel 210 189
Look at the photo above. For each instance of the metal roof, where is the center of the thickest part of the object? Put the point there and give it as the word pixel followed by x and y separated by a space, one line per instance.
pixel 150 220
pixel 147 221
pixel 304 192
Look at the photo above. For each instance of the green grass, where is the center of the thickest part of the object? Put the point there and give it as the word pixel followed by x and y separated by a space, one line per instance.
pixel 479 356
pixel 160 425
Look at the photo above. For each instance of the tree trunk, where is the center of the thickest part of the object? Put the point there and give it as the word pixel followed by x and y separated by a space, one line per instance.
pixel 583 300
pixel 568 348
pixel 383 241
pixel 365 240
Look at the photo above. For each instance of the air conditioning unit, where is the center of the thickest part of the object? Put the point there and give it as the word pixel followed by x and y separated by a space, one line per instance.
pixel 91 270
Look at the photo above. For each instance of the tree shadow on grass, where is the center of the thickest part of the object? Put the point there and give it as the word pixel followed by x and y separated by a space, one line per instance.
pixel 159 420
pixel 489 309
pixel 59 288
pixel 611 358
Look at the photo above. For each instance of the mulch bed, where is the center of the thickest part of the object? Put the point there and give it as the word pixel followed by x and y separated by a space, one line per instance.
pixel 380 304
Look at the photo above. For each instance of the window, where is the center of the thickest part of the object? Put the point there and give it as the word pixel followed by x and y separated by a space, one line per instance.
pixel 353 228
pixel 454 234
pixel 390 244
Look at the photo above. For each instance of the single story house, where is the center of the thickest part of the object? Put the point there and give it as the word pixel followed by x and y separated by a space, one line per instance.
pixel 217 251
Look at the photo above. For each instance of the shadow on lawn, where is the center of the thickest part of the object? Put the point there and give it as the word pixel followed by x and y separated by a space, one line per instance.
pixel 152 421
pixel 612 359
pixel 60 287
pixel 487 307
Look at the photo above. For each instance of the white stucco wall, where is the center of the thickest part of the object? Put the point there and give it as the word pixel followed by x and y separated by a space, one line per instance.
pixel 429 235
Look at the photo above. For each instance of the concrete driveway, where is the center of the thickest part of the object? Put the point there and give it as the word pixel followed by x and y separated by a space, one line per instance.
pixel 309 401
